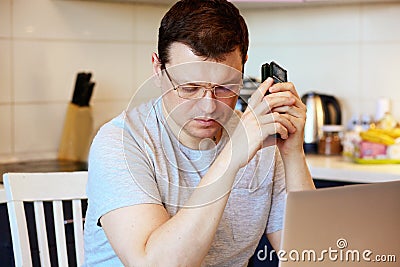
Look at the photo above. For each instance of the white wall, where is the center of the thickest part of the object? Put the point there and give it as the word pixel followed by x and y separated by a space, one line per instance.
pixel 45 43
pixel 352 52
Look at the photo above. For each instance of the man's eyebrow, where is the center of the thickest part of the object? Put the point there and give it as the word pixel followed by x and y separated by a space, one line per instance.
pixel 204 83
pixel 192 83
pixel 231 80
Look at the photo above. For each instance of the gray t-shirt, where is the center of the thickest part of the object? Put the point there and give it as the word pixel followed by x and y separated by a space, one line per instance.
pixel 135 159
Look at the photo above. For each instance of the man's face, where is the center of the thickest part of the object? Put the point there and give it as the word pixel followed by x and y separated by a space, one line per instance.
pixel 203 117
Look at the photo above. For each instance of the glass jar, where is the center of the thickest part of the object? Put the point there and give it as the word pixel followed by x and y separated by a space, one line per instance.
pixel 330 142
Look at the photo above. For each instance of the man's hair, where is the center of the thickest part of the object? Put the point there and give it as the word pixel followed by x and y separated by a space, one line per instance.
pixel 211 28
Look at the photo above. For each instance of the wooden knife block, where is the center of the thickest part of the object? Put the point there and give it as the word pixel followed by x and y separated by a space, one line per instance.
pixel 77 134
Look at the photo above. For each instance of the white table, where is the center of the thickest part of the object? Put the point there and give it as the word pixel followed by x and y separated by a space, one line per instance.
pixel 337 168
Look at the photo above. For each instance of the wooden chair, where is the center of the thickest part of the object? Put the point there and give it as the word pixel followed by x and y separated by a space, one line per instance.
pixel 53 187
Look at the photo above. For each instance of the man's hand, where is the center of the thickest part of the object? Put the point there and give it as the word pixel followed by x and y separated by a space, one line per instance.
pixel 295 113
pixel 260 121
pixel 297 174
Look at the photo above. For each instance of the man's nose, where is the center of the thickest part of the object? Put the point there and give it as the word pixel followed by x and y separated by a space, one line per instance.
pixel 209 93
pixel 208 103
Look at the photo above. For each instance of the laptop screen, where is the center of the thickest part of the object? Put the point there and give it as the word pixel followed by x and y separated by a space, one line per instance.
pixel 355 225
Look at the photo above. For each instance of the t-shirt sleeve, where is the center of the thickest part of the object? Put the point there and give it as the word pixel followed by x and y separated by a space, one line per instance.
pixel 113 182
pixel 275 219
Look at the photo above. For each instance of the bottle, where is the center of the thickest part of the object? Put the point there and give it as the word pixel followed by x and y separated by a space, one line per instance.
pixel 330 142
pixel 354 122
pixel 365 121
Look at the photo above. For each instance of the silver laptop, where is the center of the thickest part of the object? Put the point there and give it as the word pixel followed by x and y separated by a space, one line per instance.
pixel 355 225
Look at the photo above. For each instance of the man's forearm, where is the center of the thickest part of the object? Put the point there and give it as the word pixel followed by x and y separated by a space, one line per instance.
pixel 297 174
pixel 188 235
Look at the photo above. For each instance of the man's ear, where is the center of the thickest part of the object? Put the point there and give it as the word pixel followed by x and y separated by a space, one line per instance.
pixel 156 69
pixel 245 60
pixel 156 64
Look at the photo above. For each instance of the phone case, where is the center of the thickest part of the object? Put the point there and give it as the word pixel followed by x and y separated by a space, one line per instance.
pixel 275 71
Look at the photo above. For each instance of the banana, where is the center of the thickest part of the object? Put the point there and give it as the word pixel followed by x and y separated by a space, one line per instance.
pixel 394 132
pixel 377 136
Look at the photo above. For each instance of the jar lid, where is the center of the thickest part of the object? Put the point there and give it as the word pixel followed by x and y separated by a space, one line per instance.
pixel 332 128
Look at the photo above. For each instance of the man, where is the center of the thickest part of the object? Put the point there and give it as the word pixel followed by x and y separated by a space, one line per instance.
pixel 185 180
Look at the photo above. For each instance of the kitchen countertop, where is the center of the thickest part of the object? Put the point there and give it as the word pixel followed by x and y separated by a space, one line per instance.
pixel 42 166
pixel 337 168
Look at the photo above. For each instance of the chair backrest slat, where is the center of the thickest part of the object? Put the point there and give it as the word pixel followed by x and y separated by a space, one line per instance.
pixel 19 233
pixel 54 187
pixel 78 229
pixel 60 233
pixel 44 254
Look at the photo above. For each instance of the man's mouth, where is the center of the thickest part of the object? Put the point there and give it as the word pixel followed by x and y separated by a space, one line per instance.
pixel 206 121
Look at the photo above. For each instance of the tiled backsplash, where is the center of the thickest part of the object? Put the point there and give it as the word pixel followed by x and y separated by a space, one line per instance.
pixel 45 43
pixel 349 51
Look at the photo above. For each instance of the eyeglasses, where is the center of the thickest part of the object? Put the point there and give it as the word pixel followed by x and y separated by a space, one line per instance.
pixel 196 91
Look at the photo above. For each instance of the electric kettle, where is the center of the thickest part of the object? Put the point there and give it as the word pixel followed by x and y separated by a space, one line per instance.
pixel 321 110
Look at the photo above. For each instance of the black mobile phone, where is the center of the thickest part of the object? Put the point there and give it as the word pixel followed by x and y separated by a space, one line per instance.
pixel 275 71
